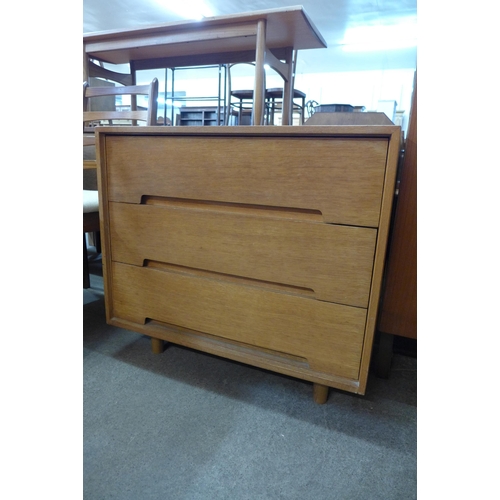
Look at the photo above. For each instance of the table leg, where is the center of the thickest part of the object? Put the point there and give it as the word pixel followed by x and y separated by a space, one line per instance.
pixel 260 80
pixel 288 90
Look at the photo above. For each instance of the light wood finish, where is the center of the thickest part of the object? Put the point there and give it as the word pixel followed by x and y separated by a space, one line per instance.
pixel 267 319
pixel 288 91
pixel 148 115
pixel 313 173
pixel 266 35
pixel 349 118
pixel 89 164
pixel 398 315
pixel 262 244
pixel 260 75
pixel 320 393
pixel 157 346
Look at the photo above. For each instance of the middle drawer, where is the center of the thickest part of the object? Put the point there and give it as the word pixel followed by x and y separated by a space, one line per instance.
pixel 289 249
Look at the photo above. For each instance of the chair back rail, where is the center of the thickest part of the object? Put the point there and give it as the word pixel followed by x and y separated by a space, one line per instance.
pixel 100 72
pixel 148 115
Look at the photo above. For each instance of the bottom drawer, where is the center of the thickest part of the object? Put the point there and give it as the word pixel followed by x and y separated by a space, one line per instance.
pixel 327 336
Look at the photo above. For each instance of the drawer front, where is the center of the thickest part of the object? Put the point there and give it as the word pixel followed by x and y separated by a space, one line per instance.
pixel 327 336
pixel 328 262
pixel 339 178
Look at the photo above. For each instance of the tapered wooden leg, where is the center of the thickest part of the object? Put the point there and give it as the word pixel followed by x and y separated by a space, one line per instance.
pixel 260 75
pixel 157 345
pixel 320 393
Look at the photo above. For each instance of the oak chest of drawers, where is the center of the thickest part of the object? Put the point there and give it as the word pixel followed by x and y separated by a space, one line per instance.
pixel 264 245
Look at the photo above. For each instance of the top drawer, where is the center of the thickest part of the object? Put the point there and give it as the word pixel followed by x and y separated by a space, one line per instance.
pixel 342 178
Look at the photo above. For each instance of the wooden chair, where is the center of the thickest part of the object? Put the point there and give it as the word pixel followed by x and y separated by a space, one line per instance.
pixel 92 118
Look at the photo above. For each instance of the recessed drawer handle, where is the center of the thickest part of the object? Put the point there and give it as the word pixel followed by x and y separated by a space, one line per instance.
pixel 220 206
pixel 201 273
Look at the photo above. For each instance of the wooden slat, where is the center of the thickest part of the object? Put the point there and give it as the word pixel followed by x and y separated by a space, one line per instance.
pixel 149 115
pixel 90 116
pixel 89 164
pixel 104 91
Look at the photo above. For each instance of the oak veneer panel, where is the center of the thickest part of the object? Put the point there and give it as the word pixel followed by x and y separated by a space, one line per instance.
pixel 331 262
pixel 341 177
pixel 327 336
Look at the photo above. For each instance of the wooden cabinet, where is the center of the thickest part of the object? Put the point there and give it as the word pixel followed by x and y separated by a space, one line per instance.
pixel 398 315
pixel 260 244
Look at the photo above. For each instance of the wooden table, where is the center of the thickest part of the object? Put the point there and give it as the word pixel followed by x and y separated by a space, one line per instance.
pixel 265 37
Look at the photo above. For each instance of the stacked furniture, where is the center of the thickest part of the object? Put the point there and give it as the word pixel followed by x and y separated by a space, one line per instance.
pixel 271 36
pixel 265 245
